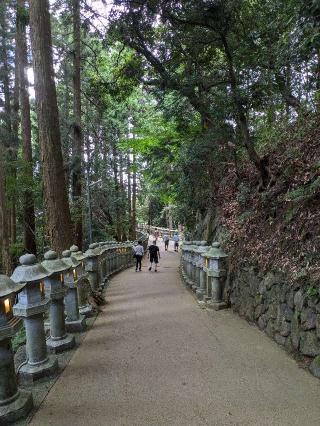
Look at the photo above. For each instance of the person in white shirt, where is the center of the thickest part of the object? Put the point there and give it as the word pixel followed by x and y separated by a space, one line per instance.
pixel 138 254
pixel 176 240
pixel 166 239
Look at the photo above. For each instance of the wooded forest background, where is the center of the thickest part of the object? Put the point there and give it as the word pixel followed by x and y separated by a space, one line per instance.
pixel 200 112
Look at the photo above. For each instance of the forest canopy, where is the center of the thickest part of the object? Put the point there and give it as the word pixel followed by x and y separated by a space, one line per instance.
pixel 154 111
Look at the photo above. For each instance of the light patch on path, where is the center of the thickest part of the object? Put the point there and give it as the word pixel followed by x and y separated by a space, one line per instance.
pixel 153 357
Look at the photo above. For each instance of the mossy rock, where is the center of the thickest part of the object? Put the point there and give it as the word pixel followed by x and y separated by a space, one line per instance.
pixel 309 343
pixel 314 367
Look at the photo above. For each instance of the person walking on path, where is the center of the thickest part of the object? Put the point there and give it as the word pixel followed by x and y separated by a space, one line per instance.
pixel 138 254
pixel 176 240
pixel 154 255
pixel 166 239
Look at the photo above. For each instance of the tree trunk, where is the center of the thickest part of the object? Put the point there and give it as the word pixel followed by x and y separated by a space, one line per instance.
pixel 28 201
pixel 88 166
pixel 170 219
pixel 288 97
pixel 77 145
pixel 129 196
pixel 4 237
pixel 116 187
pixel 55 194
pixel 134 197
pixel 65 111
pixel 317 72
pixel 243 124
pixel 14 153
pixel 5 145
pixel 121 170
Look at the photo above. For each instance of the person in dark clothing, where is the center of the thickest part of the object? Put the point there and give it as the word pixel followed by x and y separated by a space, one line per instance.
pixel 138 254
pixel 154 255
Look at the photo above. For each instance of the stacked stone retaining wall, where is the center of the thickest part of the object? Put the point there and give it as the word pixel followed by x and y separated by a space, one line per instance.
pixel 289 314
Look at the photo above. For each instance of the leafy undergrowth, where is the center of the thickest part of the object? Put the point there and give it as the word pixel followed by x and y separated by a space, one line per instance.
pixel 278 229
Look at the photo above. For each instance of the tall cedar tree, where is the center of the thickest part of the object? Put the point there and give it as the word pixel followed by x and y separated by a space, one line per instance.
pixel 5 145
pixel 77 145
pixel 57 207
pixel 28 201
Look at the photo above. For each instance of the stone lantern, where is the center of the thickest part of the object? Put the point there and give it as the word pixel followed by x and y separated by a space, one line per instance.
pixel 74 321
pixel 215 268
pixel 122 256
pixel 184 247
pixel 59 340
pixel 129 256
pixel 79 256
pixel 92 267
pixel 117 251
pixel 14 403
pixel 108 260
pixel 188 257
pixel 193 260
pixel 198 262
pixel 83 284
pixel 113 256
pixel 101 264
pixel 31 305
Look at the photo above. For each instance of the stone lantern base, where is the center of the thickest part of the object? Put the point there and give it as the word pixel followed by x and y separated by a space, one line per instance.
pixel 200 293
pixel 56 346
pixel 87 310
pixel 76 326
pixel 17 409
pixel 184 276
pixel 216 306
pixel 30 373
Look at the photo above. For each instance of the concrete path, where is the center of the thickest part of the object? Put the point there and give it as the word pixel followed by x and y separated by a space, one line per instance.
pixel 153 357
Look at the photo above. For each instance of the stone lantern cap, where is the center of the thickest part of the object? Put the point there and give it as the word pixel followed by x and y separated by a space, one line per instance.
pixel 90 253
pixel 69 260
pixel 53 264
pixel 29 270
pixel 186 244
pixel 190 247
pixel 196 245
pixel 215 252
pixel 8 287
pixel 95 247
pixel 202 248
pixel 76 253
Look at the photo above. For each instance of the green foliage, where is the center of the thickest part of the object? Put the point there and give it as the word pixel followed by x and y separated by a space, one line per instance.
pixel 19 339
pixel 304 192
pixel 312 291
pixel 161 89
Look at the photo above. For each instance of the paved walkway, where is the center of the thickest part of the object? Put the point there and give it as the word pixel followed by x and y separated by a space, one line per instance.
pixel 153 357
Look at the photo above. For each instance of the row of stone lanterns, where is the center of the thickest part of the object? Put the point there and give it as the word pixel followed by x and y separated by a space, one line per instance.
pixel 55 284
pixel 204 271
pixel 105 259
pixel 14 402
